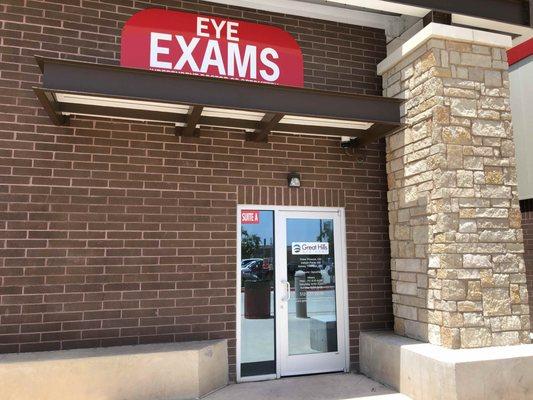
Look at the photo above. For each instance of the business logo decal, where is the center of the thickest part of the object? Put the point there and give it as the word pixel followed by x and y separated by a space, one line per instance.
pixel 309 248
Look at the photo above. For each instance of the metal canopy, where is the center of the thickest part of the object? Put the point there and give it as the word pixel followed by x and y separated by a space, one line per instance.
pixel 516 12
pixel 188 102
pixel 506 16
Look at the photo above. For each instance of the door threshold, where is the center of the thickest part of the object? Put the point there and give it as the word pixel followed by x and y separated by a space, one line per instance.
pixel 257 378
pixel 315 373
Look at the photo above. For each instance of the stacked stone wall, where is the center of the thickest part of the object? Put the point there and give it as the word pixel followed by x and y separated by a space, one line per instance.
pixel 458 272
pixel 527 227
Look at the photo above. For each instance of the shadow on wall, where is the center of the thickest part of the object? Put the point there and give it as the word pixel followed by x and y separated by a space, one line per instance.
pixel 527 229
pixel 410 221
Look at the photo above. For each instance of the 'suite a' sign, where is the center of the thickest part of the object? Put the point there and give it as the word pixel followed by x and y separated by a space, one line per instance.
pixel 179 42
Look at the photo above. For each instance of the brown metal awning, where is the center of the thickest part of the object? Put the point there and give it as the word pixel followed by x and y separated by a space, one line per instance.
pixel 188 102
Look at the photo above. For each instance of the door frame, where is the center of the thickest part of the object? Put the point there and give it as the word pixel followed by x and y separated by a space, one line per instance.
pixel 342 284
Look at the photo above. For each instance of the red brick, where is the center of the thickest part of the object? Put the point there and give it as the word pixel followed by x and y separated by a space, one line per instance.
pixel 113 226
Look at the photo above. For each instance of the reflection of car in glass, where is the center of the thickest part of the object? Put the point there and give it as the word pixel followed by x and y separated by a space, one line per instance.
pixel 256 269
pixel 254 264
pixel 247 273
pixel 246 261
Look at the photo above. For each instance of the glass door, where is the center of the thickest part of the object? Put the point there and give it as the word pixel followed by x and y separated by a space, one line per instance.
pixel 310 323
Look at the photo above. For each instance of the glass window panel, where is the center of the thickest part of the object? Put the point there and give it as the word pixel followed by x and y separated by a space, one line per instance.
pixel 312 321
pixel 257 296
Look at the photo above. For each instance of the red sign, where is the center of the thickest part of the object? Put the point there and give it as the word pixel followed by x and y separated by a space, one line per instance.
pixel 249 217
pixel 179 42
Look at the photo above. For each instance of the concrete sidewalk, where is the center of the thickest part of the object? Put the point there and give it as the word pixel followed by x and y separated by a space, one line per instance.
pixel 314 387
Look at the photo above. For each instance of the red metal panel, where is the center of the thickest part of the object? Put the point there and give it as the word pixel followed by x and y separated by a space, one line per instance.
pixel 520 52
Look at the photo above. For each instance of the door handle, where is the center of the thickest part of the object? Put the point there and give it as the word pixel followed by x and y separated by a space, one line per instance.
pixel 288 285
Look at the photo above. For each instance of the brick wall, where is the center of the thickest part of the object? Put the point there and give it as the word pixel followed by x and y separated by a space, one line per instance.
pixel 120 233
pixel 527 227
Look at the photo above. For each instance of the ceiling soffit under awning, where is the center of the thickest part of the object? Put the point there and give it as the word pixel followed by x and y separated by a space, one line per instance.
pixel 189 102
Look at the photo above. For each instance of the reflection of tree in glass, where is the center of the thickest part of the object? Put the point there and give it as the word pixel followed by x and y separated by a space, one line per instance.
pixel 326 235
pixel 250 244
pixel 326 232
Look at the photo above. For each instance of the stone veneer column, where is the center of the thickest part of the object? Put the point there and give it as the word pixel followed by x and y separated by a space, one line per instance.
pixel 457 267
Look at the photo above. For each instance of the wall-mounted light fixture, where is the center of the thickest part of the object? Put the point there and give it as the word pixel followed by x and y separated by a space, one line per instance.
pixel 293 179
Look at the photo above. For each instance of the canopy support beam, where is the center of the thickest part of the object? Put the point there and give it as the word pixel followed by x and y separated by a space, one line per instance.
pixel 51 107
pixel 267 124
pixel 195 113
pixel 374 133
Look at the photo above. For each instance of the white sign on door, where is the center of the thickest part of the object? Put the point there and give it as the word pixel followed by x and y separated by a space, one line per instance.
pixel 310 248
